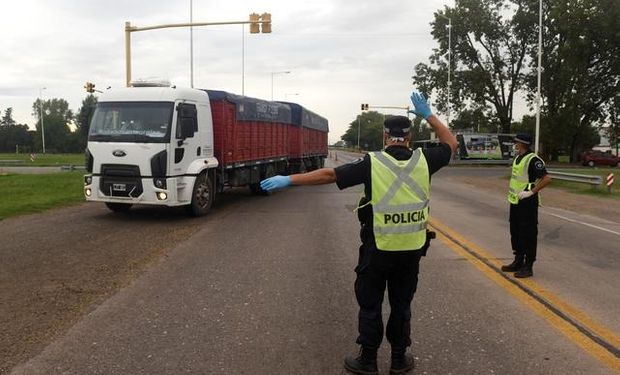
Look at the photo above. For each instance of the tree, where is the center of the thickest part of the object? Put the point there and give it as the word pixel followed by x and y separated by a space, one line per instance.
pixel 490 40
pixel 476 120
pixel 526 125
pixel 580 71
pixel 611 125
pixel 14 136
pixel 370 125
pixel 56 119
pixel 83 117
pixel 7 118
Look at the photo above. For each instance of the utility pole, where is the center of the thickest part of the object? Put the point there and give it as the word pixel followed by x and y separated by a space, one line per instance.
pixel 358 132
pixel 41 116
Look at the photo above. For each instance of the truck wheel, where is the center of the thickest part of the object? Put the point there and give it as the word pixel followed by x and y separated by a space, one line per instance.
pixel 202 196
pixel 118 207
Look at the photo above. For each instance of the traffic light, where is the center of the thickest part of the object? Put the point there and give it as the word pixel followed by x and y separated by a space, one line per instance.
pixel 364 106
pixel 266 23
pixel 254 26
pixel 90 87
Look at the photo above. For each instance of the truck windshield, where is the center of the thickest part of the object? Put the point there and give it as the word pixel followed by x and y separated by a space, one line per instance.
pixel 145 122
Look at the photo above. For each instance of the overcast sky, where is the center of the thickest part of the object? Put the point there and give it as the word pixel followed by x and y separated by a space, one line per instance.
pixel 340 53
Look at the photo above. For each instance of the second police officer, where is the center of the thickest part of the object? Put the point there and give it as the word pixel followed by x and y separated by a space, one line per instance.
pixel 528 178
pixel 393 214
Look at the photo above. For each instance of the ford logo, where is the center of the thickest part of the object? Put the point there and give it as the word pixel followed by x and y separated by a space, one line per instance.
pixel 119 153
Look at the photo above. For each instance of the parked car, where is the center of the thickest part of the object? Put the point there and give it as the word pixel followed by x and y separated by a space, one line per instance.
pixel 592 158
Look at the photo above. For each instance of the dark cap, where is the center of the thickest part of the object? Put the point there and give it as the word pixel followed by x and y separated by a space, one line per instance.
pixel 523 138
pixel 397 126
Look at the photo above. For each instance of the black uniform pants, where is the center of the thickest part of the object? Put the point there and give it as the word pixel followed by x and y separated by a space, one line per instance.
pixel 376 269
pixel 524 229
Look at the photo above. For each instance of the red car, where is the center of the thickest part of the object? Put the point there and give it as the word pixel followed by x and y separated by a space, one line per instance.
pixel 592 158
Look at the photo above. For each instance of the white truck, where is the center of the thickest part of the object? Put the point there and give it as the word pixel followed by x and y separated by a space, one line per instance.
pixel 169 146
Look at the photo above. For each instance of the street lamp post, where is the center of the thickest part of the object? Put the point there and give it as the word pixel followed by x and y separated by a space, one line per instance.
pixel 449 62
pixel 242 59
pixel 539 74
pixel 191 43
pixel 274 73
pixel 358 132
pixel 41 116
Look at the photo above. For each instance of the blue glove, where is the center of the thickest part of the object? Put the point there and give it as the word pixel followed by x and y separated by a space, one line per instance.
pixel 275 182
pixel 421 107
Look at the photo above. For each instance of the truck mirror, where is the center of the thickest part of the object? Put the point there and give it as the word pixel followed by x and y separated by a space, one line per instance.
pixel 187 121
pixel 187 127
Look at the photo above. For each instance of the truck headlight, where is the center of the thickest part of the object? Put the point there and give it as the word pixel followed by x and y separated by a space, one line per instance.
pixel 87 192
pixel 88 180
pixel 162 196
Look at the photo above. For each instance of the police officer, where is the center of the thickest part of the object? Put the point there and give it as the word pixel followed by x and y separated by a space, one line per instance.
pixel 529 176
pixel 393 215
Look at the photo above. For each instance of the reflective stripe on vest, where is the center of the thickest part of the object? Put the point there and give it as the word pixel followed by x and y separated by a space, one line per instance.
pixel 400 199
pixel 519 179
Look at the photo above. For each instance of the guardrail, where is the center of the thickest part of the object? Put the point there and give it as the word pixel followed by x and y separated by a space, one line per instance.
pixel 480 162
pixel 11 162
pixel 72 167
pixel 581 178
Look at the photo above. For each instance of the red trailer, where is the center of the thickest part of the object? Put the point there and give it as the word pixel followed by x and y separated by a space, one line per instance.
pixel 250 138
pixel 307 139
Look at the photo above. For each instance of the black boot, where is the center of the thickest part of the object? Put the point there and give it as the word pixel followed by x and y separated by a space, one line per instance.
pixel 525 271
pixel 402 361
pixel 365 363
pixel 515 265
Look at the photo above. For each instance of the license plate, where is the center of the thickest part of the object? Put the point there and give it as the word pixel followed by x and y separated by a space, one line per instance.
pixel 119 187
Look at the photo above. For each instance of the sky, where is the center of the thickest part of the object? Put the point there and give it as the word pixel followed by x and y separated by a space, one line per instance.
pixel 340 53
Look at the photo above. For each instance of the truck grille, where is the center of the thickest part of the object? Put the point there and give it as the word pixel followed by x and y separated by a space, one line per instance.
pixel 118 180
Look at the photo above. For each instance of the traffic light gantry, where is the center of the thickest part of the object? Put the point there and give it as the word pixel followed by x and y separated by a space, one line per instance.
pixel 90 87
pixel 260 23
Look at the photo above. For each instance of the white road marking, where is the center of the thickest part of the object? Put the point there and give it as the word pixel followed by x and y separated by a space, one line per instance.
pixel 582 223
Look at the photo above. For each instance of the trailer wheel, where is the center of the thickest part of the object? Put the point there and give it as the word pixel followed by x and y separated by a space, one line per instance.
pixel 302 167
pixel 118 207
pixel 257 190
pixel 202 196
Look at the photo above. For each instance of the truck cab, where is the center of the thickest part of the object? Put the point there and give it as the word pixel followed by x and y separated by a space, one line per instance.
pixel 151 145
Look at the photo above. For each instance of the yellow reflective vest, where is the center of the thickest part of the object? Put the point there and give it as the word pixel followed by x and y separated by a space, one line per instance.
pixel 400 200
pixel 519 179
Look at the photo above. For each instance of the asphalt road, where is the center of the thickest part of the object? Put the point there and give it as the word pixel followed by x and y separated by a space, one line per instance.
pixel 264 285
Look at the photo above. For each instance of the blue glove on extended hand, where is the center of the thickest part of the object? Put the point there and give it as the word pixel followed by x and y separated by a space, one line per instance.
pixel 421 107
pixel 275 182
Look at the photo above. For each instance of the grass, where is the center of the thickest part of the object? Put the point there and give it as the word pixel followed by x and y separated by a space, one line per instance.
pixel 36 193
pixel 41 160
pixel 599 191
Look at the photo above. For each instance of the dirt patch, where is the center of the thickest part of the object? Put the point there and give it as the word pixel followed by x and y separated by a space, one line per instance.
pixel 56 267
pixel 608 209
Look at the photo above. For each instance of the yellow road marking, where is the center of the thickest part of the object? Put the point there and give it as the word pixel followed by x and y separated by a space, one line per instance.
pixel 564 326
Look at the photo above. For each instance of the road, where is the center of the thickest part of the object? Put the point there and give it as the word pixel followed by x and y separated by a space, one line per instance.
pixel 264 285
